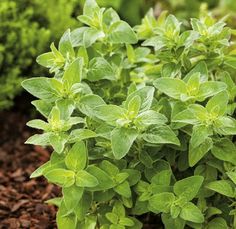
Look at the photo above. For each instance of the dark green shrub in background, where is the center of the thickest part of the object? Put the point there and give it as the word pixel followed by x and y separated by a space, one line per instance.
pixel 26 29
pixel 20 41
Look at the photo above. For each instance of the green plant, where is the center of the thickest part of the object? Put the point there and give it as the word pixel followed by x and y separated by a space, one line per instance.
pixel 139 129
pixel 26 30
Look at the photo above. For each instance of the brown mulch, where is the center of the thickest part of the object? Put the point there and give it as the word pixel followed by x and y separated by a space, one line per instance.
pixel 21 198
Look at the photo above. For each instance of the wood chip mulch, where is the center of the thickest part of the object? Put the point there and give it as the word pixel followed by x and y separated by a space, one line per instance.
pixel 21 198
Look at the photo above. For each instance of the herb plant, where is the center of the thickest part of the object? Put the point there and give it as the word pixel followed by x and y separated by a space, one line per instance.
pixel 141 120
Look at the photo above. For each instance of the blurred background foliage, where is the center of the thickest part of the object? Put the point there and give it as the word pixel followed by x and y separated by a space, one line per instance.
pixel 27 27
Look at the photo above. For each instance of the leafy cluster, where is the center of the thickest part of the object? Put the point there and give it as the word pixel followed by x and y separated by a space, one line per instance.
pixel 26 29
pixel 139 128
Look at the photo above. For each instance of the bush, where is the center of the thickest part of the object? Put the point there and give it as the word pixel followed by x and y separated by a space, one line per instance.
pixel 139 129
pixel 26 30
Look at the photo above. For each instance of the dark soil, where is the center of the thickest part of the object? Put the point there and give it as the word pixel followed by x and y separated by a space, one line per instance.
pixel 22 200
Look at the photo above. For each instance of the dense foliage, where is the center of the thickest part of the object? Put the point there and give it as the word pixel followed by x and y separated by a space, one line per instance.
pixel 141 120
pixel 26 28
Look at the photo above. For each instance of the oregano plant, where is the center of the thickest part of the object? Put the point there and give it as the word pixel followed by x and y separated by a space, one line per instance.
pixel 141 121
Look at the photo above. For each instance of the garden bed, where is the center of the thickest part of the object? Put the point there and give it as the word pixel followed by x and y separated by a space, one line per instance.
pixel 22 199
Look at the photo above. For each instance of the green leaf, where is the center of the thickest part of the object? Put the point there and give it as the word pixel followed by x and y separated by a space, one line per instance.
pixel 65 45
pixel 188 187
pixel 151 117
pixel 156 42
pixel 134 176
pixel 83 54
pixel 109 168
pixel 112 217
pixel 87 21
pixel 91 35
pixel 121 177
pixel 123 189
pixel 55 201
pixel 232 176
pixel 197 153
pixel 104 113
pixel 185 116
pixel 43 107
pixel 171 86
pixel 119 209
pixel 77 36
pixel 162 178
pixel 224 150
pixel 187 38
pixel 212 211
pixel 161 135
pixel 146 94
pixel 199 135
pixel 100 69
pixel 46 59
pixel 223 187
pixel 208 89
pixel 61 177
pixel 105 180
pixel 55 115
pixel 39 171
pixel 73 74
pixel 225 126
pixel 161 202
pixel 76 158
pixel 85 179
pixel 116 226
pixel 231 62
pixel 83 206
pixel 192 213
pixel 110 15
pixel 81 134
pixel 199 112
pixel 217 223
pixel 134 106
pixel 89 223
pixel 175 211
pixel 58 142
pixel 218 104
pixel 90 7
pixel 193 84
pixel 126 222
pixel 88 102
pixel 72 196
pixel 39 139
pixel 130 53
pixel 201 68
pixel 121 32
pixel 121 141
pixel 172 24
pixel 66 108
pixel 43 88
pixel 38 124
pixel 66 222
